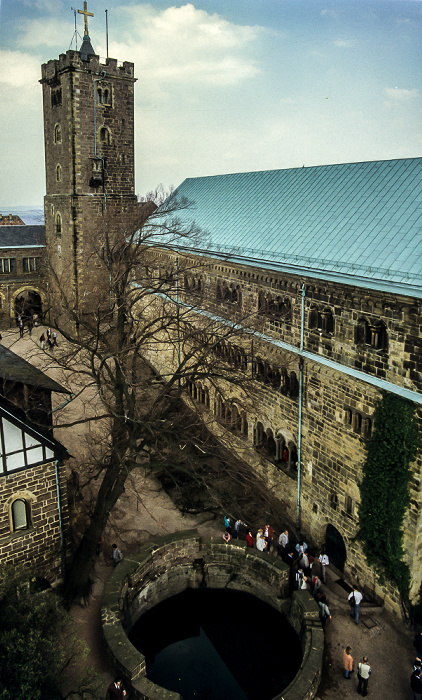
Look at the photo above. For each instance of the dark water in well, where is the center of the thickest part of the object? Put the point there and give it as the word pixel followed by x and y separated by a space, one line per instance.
pixel 212 644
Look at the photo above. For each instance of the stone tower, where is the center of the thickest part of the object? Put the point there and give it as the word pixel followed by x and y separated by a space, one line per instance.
pixel 88 107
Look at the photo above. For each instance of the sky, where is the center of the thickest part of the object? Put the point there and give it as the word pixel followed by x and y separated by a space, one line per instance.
pixel 224 86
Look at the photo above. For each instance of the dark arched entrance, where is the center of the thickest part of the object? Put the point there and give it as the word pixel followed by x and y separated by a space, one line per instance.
pixel 335 547
pixel 27 303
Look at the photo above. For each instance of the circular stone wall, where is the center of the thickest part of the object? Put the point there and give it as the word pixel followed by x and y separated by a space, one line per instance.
pixel 169 565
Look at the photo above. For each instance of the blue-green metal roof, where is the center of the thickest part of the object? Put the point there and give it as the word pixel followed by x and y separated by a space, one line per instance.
pixel 359 223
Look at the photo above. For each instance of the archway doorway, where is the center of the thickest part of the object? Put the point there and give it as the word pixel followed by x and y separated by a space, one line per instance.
pixel 27 304
pixel 335 547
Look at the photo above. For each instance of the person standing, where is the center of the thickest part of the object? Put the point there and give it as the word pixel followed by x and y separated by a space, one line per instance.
pixel 269 536
pixel 364 671
pixel 416 684
pixel 227 524
pixel 347 662
pixel 355 599
pixel 116 555
pixel 250 539
pixel 116 690
pixel 261 543
pixel 323 562
pixel 283 541
pixel 315 585
pixel 42 341
pixel 238 524
pixel 21 328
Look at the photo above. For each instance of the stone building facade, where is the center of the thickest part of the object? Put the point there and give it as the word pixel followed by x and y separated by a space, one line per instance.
pixel 318 349
pixel 33 498
pixel 22 287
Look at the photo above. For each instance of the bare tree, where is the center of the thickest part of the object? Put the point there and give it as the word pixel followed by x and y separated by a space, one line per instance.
pixel 141 345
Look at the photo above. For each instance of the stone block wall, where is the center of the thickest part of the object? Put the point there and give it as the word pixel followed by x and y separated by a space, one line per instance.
pixel 337 409
pixel 39 547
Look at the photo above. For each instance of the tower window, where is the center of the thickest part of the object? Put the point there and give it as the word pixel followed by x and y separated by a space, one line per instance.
pixel 59 173
pixel 56 97
pixel 105 136
pixel 58 223
pixel 57 134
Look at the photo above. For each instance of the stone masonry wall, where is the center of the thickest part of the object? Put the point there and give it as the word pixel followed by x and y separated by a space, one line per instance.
pixel 337 409
pixel 39 547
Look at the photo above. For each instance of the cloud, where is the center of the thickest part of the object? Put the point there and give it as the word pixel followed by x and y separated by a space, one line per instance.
pixel 43 32
pixel 184 44
pixel 344 43
pixel 329 13
pixel 401 94
pixel 19 70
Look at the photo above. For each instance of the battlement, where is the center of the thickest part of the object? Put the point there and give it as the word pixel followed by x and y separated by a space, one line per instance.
pixel 72 60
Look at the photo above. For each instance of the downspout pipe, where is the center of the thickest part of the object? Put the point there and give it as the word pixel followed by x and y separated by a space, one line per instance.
pixel 59 505
pixel 178 319
pixel 299 434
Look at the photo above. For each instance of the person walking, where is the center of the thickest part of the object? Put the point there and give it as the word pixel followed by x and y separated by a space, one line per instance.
pixel 42 341
pixel 364 671
pixel 324 611
pixel 116 555
pixel 416 684
pixel 347 662
pixel 355 598
pixel 323 562
pixel 227 524
pixel 21 328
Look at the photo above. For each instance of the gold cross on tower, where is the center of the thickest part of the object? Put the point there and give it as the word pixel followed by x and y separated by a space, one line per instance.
pixel 86 15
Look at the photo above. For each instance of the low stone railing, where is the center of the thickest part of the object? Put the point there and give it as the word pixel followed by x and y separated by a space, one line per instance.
pixel 167 566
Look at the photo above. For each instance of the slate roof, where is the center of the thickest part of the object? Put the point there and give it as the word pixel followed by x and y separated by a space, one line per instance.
pixel 358 223
pixel 22 236
pixel 16 369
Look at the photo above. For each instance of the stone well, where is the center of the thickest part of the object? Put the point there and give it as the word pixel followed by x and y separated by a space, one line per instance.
pixel 169 565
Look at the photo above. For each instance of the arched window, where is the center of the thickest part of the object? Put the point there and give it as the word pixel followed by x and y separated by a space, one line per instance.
pixel 313 318
pixel 367 427
pixel 58 223
pixel 105 136
pixel 99 95
pixel 106 97
pixel 21 514
pixel 57 134
pixel 293 386
pixel 259 435
pixel 58 173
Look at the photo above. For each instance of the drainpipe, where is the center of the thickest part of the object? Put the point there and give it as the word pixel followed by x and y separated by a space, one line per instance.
pixel 177 319
pixel 56 467
pixel 72 396
pixel 299 435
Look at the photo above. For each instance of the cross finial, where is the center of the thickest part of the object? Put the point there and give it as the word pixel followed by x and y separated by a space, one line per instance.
pixel 86 15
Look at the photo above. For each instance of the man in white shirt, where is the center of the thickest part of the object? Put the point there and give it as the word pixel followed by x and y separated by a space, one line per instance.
pixel 364 671
pixel 283 541
pixel 355 599
pixel 323 562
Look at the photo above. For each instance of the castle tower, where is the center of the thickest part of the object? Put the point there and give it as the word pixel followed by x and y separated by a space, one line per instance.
pixel 88 107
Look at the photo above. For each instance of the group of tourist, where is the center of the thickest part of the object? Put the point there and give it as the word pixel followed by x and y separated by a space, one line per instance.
pixel 49 339
pixel 416 677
